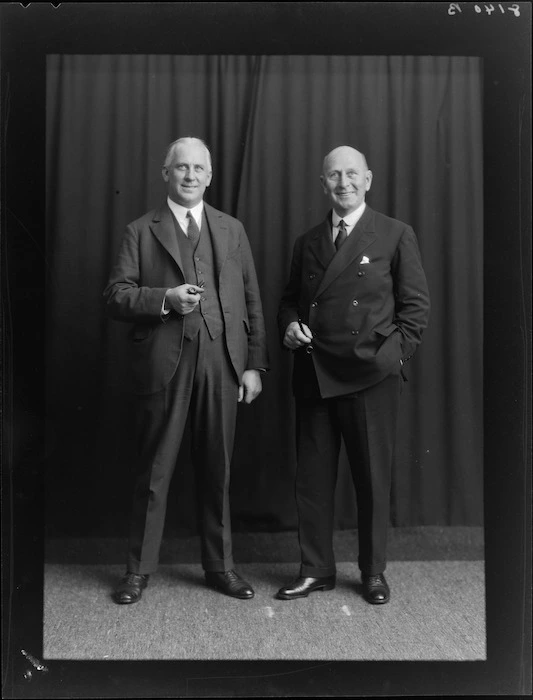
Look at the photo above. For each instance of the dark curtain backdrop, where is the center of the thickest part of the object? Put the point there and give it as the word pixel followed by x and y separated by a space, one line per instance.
pixel 269 121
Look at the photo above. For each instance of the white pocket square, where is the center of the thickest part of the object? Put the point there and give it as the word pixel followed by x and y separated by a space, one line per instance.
pixel 364 261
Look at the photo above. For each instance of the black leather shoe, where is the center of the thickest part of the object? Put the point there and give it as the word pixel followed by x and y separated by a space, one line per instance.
pixel 130 588
pixel 375 589
pixel 305 585
pixel 230 583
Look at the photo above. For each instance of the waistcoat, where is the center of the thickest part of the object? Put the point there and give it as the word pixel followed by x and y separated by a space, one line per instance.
pixel 199 266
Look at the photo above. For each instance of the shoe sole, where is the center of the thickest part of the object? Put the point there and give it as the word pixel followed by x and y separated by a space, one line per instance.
pixel 322 589
pixel 231 595
pixel 126 602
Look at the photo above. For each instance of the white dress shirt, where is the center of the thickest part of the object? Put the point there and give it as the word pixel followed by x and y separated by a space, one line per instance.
pixel 181 213
pixel 349 220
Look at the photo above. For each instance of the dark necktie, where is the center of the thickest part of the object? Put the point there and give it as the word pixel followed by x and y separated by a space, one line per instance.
pixel 341 235
pixel 193 232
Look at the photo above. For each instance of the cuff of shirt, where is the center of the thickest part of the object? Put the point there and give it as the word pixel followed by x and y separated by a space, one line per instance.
pixel 164 312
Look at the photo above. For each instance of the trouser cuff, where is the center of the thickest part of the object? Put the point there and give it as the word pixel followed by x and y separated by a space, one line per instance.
pixel 317 572
pixel 373 569
pixel 218 565
pixel 141 567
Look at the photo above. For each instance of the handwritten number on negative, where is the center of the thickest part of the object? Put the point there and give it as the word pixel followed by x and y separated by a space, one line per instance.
pixel 455 8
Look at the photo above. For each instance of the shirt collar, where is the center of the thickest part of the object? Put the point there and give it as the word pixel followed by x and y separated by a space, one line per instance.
pixel 351 219
pixel 181 212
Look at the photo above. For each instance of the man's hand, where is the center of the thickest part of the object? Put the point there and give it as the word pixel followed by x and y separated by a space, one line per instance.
pixel 297 336
pixel 183 299
pixel 251 386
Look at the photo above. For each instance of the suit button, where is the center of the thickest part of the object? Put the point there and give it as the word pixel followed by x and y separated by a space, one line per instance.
pixel 312 276
pixel 355 332
pixel 203 298
pixel 314 304
pixel 355 302
pixel 360 273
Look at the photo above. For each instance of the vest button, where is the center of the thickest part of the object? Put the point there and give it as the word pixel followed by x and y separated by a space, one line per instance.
pixel 360 273
pixel 314 304
pixel 355 302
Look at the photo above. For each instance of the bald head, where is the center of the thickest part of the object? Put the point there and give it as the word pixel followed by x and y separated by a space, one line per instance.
pixel 344 152
pixel 345 179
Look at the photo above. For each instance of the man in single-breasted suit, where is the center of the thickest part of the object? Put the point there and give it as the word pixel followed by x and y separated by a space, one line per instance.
pixel 353 312
pixel 185 280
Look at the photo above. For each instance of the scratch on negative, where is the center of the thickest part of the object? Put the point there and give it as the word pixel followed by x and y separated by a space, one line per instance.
pixel 34 662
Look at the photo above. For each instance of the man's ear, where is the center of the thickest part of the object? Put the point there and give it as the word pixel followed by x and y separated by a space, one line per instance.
pixel 368 177
pixel 164 173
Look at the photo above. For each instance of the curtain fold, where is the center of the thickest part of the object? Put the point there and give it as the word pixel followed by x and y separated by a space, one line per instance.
pixel 269 121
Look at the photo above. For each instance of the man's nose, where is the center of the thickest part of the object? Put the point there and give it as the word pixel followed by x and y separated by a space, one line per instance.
pixel 343 180
pixel 189 174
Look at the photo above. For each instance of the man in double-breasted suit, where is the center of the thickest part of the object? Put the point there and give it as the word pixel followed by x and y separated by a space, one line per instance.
pixel 186 281
pixel 353 312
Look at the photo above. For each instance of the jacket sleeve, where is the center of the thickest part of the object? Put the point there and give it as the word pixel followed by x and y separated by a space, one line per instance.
pixel 290 301
pixel 257 340
pixel 125 298
pixel 412 304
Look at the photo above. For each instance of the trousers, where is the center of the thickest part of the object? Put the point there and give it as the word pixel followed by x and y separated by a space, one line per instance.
pixel 367 422
pixel 204 394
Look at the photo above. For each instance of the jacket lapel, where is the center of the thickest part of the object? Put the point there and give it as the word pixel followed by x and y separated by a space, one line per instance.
pixel 321 244
pixel 219 235
pixel 164 230
pixel 360 238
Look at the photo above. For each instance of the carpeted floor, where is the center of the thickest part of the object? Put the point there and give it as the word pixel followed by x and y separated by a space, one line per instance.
pixel 437 612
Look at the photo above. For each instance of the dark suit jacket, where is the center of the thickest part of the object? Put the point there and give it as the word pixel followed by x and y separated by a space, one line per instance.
pixel 367 305
pixel 149 263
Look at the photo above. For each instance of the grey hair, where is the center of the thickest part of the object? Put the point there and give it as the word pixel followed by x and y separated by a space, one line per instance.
pixel 185 139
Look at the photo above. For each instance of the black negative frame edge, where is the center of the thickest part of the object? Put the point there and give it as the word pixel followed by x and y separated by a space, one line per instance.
pixel 504 42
